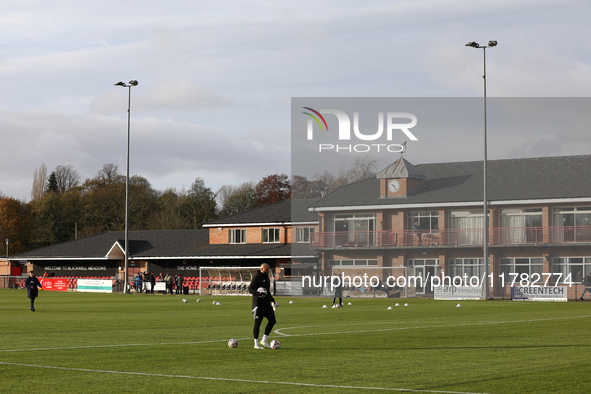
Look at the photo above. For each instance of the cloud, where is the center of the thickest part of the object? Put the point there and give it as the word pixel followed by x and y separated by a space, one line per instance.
pixel 180 94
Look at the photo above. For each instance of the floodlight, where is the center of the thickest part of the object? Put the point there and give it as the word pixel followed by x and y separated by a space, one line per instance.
pixel 473 44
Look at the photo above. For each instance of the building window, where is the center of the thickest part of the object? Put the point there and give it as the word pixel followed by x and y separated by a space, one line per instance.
pixel 571 224
pixel 238 236
pixel 510 267
pixel 271 235
pixel 427 220
pixel 521 225
pixel 468 225
pixel 468 267
pixel 353 229
pixel 576 267
pixel 357 262
pixel 303 234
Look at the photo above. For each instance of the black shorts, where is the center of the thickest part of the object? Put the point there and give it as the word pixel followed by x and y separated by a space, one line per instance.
pixel 259 313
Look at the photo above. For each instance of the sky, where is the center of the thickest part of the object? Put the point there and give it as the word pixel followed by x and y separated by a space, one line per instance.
pixel 216 79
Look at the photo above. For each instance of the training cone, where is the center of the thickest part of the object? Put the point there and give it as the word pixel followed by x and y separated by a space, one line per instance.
pixel 406 304
pixel 324 306
pixel 291 302
pixel 397 304
pixel 349 303
pixel 389 307
pixel 457 306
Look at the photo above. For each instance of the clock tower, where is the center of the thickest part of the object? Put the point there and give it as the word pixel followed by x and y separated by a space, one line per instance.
pixel 400 179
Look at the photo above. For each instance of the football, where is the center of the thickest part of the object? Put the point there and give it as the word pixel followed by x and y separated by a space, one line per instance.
pixel 262 292
pixel 185 300
pixel 198 300
pixel 275 344
pixel 233 343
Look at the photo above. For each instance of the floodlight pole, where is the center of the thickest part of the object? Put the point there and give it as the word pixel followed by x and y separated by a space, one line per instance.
pixel 126 274
pixel 485 205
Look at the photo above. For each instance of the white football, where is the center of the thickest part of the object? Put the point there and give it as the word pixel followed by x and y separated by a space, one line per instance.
pixel 213 302
pixel 262 292
pixel 185 300
pixel 198 300
pixel 233 343
pixel 275 344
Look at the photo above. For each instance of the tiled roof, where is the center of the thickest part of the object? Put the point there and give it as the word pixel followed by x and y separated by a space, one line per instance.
pixel 155 243
pixel 401 168
pixel 546 178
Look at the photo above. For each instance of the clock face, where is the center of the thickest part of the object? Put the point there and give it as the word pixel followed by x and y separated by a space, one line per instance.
pixel 393 186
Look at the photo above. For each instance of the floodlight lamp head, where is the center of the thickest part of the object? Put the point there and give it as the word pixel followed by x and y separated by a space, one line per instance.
pixel 121 84
pixel 492 43
pixel 473 44
pixel 133 82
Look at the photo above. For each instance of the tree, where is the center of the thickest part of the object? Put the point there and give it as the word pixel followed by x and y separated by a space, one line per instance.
pixel 364 167
pixel 53 221
pixel 301 187
pixel 239 199
pixel 109 172
pixel 14 224
pixel 198 204
pixel 168 215
pixel 102 205
pixel 323 181
pixel 39 179
pixel 66 177
pixel 143 203
pixel 51 184
pixel 272 189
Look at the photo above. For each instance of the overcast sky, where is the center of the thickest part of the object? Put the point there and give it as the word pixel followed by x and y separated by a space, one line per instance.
pixel 216 78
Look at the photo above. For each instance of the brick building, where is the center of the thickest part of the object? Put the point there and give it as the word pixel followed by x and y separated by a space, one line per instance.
pixel 430 218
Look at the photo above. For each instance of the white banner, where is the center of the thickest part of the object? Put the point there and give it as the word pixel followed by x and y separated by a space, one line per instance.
pixel 95 285
pixel 539 293
pixel 457 292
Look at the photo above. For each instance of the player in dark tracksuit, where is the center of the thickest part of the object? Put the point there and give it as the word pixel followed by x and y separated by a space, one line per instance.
pixel 263 305
pixel 32 284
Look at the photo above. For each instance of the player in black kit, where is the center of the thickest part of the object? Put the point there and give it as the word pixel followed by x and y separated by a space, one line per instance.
pixel 263 305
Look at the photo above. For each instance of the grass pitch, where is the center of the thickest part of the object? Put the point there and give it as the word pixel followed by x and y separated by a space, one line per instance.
pixel 116 343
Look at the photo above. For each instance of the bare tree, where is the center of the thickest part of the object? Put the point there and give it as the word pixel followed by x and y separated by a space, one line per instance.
pixel 324 181
pixel 39 180
pixel 236 199
pixel 66 178
pixel 364 167
pixel 108 172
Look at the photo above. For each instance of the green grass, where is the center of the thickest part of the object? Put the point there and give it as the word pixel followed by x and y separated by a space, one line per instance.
pixel 115 343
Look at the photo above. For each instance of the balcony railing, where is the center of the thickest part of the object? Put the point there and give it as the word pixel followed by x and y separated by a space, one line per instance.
pixel 502 236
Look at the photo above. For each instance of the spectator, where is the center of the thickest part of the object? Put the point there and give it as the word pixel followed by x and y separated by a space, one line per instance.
pixel 587 283
pixel 179 284
pixel 169 282
pixel 152 283
pixel 138 283
pixel 417 228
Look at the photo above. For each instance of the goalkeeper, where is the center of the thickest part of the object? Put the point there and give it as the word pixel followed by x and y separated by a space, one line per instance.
pixel 263 305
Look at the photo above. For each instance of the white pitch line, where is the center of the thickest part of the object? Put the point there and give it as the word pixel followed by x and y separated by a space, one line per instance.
pixel 292 335
pixel 417 327
pixel 235 380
